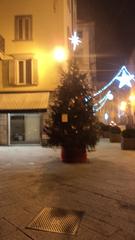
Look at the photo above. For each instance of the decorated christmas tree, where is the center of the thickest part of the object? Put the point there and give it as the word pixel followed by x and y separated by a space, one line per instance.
pixel 72 123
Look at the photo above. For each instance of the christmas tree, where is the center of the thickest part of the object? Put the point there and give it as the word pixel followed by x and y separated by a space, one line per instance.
pixel 72 121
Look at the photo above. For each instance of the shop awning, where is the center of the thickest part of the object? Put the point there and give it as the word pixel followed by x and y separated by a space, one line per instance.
pixel 24 101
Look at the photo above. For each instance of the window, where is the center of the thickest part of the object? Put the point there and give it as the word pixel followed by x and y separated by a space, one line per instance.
pixel 23 28
pixel 68 36
pixel 69 5
pixel 80 34
pixel 2 44
pixel 23 72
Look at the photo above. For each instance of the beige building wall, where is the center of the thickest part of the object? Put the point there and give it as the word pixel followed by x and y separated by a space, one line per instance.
pixel 53 22
pixel 51 25
pixel 0 71
pixel 86 50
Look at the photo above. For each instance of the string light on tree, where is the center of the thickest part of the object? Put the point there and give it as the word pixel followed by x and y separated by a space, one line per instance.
pixel 75 40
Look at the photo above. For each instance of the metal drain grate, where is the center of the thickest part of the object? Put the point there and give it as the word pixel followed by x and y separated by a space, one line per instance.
pixel 57 220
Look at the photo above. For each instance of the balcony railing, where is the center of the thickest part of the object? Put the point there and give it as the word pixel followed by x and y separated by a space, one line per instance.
pixel 2 44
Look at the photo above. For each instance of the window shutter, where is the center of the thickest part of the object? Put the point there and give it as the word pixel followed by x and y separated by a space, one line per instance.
pixel 12 71
pixel 5 72
pixel 34 72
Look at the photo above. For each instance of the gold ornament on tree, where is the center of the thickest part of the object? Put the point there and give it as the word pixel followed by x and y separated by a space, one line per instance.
pixel 64 117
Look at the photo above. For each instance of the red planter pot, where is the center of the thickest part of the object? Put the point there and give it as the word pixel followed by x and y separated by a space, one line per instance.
pixel 74 154
pixel 115 137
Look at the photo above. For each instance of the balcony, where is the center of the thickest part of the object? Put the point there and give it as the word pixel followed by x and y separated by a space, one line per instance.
pixel 2 44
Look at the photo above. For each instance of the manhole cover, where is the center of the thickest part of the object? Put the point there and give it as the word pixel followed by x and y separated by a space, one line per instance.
pixel 57 220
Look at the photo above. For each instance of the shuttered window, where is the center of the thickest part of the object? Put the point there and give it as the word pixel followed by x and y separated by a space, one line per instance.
pixel 23 72
pixel 23 28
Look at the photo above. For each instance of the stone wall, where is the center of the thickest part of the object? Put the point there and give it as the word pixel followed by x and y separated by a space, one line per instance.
pixel 3 129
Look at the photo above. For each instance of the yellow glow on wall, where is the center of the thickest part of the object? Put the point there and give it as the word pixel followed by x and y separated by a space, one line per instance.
pixel 123 106
pixel 48 67
pixel 45 61
pixel 40 55
pixel 132 99
pixel 60 54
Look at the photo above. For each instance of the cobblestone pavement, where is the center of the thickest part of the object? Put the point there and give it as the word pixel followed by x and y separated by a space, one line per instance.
pixel 32 177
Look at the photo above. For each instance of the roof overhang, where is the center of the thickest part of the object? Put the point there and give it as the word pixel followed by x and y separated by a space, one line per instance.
pixel 34 101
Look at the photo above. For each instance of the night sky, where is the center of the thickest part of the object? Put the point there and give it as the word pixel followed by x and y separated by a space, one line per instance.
pixel 115 32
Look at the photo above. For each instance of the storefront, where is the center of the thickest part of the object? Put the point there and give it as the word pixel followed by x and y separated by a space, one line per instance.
pixel 22 117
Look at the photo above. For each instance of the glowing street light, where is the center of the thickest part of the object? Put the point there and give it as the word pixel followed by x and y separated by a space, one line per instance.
pixel 123 106
pixel 60 54
pixel 132 99
pixel 106 116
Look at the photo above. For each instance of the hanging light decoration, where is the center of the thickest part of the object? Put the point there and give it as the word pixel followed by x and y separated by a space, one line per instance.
pixel 123 76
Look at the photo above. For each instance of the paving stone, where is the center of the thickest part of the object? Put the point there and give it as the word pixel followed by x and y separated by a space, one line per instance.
pixel 34 177
pixel 17 235
pixel 6 228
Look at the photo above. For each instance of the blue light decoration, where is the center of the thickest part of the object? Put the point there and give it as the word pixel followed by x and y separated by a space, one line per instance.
pixel 123 76
pixel 110 96
pixel 98 106
pixel 75 40
pixel 102 101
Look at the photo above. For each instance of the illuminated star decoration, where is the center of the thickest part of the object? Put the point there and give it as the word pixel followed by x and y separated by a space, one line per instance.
pixel 75 40
pixel 124 77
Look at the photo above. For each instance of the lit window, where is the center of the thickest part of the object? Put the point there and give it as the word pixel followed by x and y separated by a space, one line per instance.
pixel 24 71
pixel 23 28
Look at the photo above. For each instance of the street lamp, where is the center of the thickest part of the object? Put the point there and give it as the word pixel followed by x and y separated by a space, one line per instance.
pixel 132 107
pixel 123 106
pixel 132 99
pixel 60 54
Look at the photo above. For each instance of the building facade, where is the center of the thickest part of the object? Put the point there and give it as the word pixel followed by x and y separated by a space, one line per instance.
pixel 33 37
pixel 85 53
